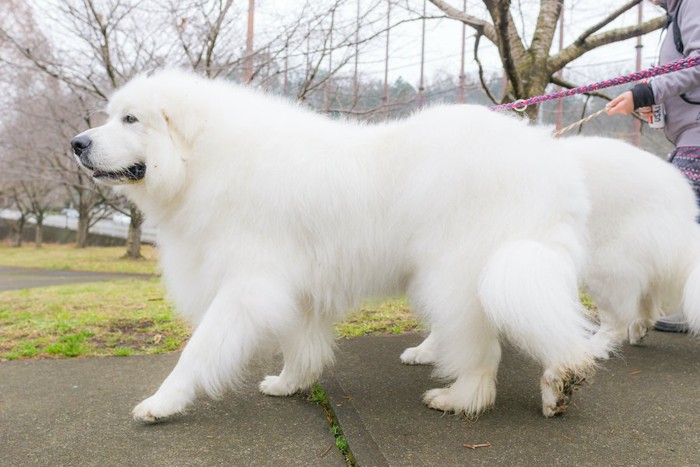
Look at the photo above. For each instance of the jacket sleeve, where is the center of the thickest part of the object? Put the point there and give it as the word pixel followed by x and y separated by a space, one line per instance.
pixel 683 81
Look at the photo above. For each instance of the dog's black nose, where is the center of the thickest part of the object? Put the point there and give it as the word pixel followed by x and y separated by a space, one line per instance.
pixel 80 144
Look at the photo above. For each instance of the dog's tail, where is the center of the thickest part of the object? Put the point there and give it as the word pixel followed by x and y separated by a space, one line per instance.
pixel 529 290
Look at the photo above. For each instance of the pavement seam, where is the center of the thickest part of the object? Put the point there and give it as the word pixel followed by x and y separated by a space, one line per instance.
pixel 360 432
pixel 320 397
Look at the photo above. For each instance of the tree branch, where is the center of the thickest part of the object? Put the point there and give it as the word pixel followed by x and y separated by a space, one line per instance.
pixel 550 11
pixel 487 29
pixel 605 21
pixel 575 50
pixel 484 85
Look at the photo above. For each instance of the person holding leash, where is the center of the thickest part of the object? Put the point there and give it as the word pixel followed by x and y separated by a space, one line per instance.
pixel 676 97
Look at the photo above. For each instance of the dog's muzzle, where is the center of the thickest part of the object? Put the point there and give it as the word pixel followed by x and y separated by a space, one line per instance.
pixel 81 147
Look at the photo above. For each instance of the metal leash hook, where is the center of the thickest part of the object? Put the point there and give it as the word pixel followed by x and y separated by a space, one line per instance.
pixel 520 105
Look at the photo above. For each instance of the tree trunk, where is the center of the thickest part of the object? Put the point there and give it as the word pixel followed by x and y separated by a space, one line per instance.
pixel 18 228
pixel 39 234
pixel 81 237
pixel 133 240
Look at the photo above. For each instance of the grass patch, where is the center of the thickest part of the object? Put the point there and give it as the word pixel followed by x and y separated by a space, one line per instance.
pixel 380 317
pixel 70 258
pixel 318 396
pixel 122 317
pixel 128 317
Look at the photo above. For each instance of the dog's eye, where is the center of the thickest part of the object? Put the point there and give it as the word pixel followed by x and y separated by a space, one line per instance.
pixel 129 119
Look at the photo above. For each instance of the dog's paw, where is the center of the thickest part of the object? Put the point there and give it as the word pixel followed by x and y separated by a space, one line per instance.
pixel 277 386
pixel 637 331
pixel 469 399
pixel 153 410
pixel 158 407
pixel 557 390
pixel 416 356
pixel 603 344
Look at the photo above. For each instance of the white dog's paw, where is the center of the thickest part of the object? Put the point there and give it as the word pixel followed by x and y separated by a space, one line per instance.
pixel 469 399
pixel 417 356
pixel 557 390
pixel 277 386
pixel 603 344
pixel 158 407
pixel 637 331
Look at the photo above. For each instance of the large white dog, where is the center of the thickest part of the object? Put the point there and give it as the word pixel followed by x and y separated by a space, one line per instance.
pixel 275 221
pixel 644 243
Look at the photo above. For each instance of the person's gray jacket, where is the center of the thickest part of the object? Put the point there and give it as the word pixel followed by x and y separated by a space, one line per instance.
pixel 677 91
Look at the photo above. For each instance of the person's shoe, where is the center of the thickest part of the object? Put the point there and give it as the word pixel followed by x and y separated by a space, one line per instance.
pixel 672 323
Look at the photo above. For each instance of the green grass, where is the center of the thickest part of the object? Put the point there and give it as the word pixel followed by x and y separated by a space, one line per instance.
pixel 121 317
pixel 389 316
pixel 318 396
pixel 130 316
pixel 70 258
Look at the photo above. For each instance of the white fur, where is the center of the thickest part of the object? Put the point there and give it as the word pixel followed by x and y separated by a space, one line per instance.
pixel 644 241
pixel 275 221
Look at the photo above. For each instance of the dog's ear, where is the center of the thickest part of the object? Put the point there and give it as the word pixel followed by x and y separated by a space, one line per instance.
pixel 175 133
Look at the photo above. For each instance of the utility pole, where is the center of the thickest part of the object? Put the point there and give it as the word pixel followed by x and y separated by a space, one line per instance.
pixel 421 85
pixel 636 136
pixel 560 102
pixel 355 78
pixel 385 97
pixel 462 77
pixel 327 88
pixel 249 42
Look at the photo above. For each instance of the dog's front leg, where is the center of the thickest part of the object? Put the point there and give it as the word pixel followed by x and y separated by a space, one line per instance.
pixel 220 347
pixel 423 354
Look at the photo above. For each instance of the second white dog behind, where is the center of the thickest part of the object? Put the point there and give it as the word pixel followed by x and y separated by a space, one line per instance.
pixel 644 243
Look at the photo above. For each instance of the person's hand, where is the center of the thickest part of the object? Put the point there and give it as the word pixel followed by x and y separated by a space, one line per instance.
pixel 621 105
pixel 645 112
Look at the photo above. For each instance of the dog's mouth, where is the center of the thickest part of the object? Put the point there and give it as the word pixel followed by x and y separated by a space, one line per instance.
pixel 133 173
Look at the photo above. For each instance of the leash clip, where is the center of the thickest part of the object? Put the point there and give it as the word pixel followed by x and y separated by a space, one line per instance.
pixel 520 105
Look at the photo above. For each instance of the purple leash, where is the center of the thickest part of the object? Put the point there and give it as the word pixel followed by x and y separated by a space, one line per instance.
pixel 678 65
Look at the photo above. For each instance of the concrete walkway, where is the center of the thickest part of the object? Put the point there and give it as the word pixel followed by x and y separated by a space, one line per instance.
pixel 25 278
pixel 638 410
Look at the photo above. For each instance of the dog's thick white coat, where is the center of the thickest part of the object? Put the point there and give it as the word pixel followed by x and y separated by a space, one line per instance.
pixel 644 238
pixel 644 243
pixel 275 221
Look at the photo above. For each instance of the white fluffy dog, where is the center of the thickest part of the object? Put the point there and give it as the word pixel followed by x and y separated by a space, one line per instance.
pixel 644 243
pixel 275 221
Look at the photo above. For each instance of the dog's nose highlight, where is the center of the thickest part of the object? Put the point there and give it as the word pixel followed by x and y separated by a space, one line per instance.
pixel 80 144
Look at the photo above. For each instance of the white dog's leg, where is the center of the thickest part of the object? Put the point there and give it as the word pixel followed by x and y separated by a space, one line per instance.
pixel 610 334
pixel 219 348
pixel 423 354
pixel 637 331
pixel 306 350
pixel 529 290
pixel 470 353
pixel 649 309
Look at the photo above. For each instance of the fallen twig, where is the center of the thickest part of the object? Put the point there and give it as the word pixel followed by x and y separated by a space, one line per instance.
pixel 476 446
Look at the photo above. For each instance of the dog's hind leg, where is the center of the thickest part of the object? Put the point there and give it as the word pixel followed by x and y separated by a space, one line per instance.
pixel 307 348
pixel 530 292
pixel 235 323
pixel 466 349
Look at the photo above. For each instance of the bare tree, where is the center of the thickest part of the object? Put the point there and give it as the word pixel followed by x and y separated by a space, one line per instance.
pixel 103 49
pixel 530 67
